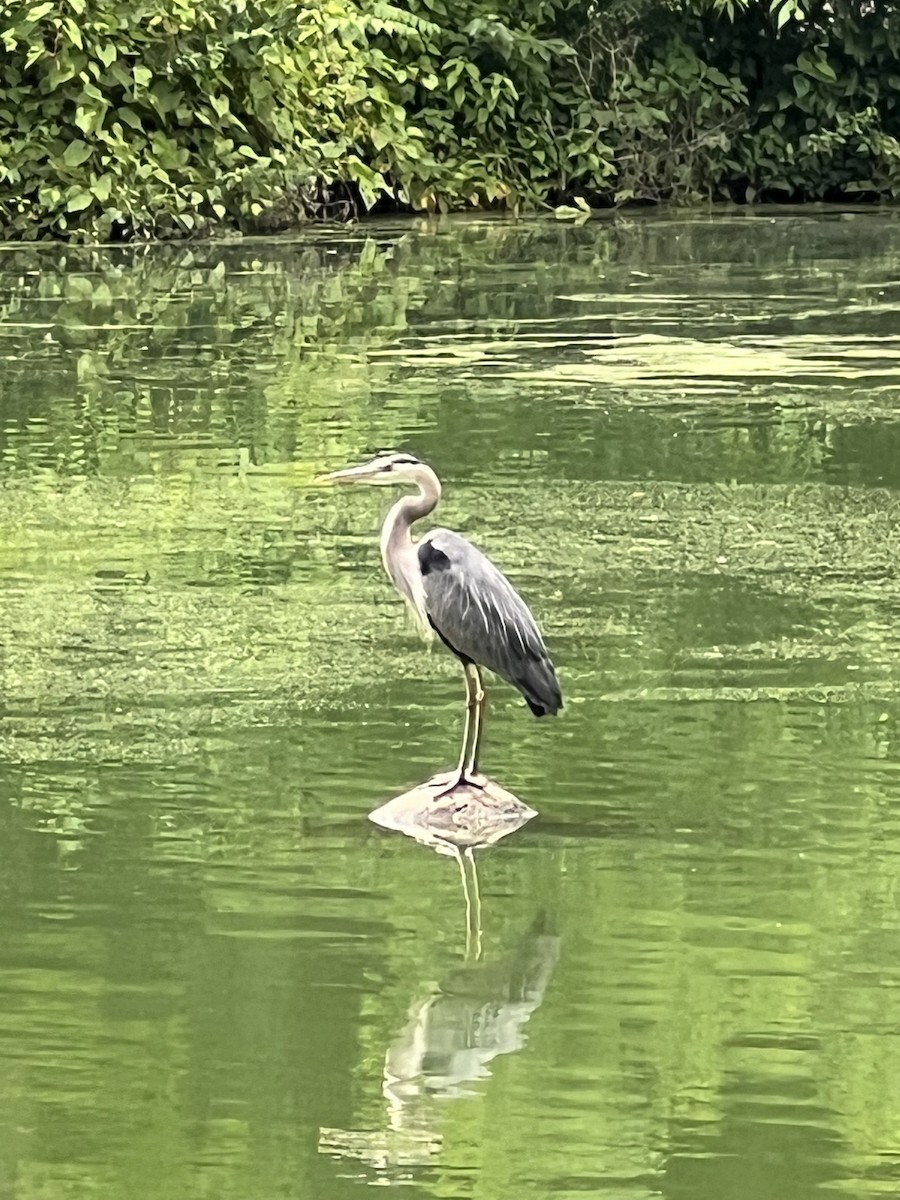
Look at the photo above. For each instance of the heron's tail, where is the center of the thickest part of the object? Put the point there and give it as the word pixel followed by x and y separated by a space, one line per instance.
pixel 540 687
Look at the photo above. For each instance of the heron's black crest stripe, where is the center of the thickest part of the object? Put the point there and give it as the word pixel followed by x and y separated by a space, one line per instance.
pixel 432 559
pixel 397 456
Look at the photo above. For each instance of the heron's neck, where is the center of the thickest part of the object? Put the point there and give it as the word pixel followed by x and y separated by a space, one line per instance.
pixel 396 538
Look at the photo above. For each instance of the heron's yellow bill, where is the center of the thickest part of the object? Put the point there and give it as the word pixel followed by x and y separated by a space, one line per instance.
pixel 347 474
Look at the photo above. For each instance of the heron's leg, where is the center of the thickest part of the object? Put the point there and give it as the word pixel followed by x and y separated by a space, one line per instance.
pixel 478 697
pixel 471 707
pixel 473 691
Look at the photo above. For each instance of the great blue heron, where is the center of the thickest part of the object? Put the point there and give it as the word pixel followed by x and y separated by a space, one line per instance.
pixel 454 590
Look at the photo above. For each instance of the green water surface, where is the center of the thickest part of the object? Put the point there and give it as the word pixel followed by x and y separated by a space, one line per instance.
pixel 681 439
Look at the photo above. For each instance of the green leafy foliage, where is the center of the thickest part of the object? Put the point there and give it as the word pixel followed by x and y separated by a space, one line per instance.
pixel 786 99
pixel 826 116
pixel 175 116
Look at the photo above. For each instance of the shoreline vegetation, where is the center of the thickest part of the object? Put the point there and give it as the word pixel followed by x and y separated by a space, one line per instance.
pixel 172 118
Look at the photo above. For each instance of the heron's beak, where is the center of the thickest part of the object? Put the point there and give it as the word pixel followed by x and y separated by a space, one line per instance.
pixel 347 475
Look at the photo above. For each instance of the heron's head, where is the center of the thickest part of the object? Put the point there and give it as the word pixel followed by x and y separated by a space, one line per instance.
pixel 383 469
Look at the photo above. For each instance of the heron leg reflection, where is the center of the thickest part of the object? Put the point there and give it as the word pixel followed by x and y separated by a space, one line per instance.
pixel 469 852
pixel 473 904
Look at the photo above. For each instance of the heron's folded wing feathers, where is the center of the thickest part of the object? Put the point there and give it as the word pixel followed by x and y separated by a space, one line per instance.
pixel 475 609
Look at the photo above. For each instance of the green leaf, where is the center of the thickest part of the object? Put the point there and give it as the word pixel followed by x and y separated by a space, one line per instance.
pixel 84 118
pixel 74 32
pixel 122 77
pixel 567 212
pixel 826 70
pixel 79 200
pixel 785 12
pixel 50 196
pixel 818 67
pixel 76 153
pixel 142 76
pixel 130 117
pixel 39 12
pixel 801 85
pixel 368 194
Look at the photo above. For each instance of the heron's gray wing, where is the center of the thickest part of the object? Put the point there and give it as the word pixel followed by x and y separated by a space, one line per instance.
pixel 477 612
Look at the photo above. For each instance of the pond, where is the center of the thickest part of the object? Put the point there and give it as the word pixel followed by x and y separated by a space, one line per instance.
pixel 680 437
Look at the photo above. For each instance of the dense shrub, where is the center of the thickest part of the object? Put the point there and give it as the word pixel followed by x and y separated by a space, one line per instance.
pixel 161 117
pixel 824 85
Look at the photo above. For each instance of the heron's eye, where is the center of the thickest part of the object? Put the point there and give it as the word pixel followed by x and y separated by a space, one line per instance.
pixel 388 467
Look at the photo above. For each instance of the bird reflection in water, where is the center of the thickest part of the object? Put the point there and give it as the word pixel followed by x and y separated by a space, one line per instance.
pixel 477 1012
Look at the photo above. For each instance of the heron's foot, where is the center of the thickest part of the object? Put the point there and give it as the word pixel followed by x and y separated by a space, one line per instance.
pixel 456 779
